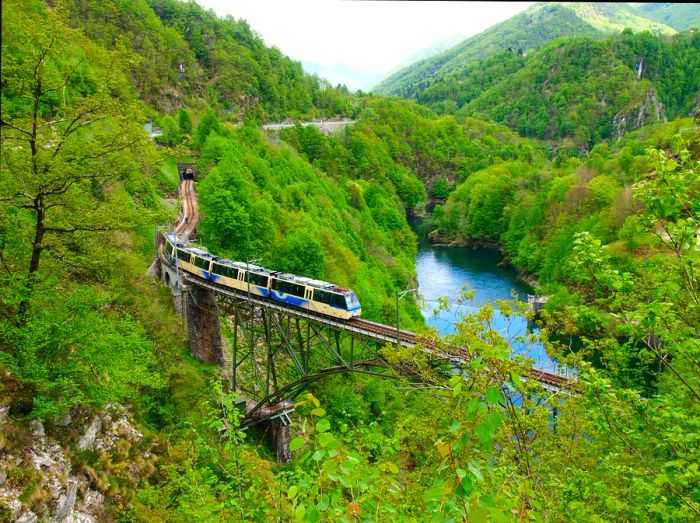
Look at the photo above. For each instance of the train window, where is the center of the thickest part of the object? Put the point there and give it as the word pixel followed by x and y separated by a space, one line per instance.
pixel 352 301
pixel 183 255
pixel 323 296
pixel 202 263
pixel 338 300
pixel 225 270
pixel 169 248
pixel 258 279
pixel 279 285
pixel 288 287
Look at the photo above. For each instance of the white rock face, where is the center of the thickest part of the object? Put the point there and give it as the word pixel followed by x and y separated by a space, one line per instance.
pixel 9 498
pixel 66 501
pixel 68 498
pixel 88 439
pixel 27 517
pixel 37 428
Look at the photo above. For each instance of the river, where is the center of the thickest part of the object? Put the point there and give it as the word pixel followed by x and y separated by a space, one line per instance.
pixel 443 271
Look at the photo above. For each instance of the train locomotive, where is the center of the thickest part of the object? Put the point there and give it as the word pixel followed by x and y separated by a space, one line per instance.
pixel 313 295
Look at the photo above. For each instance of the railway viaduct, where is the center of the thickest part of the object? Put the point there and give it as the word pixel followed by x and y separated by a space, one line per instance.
pixel 270 351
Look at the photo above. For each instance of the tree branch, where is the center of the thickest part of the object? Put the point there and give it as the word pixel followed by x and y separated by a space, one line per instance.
pixel 8 124
pixel 62 230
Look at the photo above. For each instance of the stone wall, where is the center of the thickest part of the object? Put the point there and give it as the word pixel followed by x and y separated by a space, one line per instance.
pixel 202 314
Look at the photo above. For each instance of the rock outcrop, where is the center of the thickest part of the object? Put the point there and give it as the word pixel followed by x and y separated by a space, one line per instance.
pixel 46 477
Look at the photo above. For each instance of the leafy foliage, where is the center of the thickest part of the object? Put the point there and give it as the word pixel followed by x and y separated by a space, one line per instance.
pixel 535 210
pixel 678 16
pixel 589 91
pixel 80 327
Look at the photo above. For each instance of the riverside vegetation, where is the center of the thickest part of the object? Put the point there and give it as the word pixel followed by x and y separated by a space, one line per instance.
pixel 608 225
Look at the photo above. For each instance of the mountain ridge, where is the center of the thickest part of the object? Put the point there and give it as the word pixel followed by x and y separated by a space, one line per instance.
pixel 539 24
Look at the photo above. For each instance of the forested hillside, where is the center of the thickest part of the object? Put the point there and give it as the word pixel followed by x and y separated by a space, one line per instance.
pixel 678 16
pixel 106 416
pixel 578 89
pixel 184 55
pixel 537 25
pixel 586 90
pixel 535 209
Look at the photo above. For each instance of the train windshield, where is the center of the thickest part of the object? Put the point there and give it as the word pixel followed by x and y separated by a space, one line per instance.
pixel 351 301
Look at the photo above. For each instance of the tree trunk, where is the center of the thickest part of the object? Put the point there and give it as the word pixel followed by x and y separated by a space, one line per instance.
pixel 37 248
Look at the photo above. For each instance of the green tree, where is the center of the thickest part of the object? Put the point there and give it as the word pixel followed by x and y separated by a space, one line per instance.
pixel 184 121
pixel 645 317
pixel 208 124
pixel 300 252
pixel 441 189
pixel 171 131
pixel 67 128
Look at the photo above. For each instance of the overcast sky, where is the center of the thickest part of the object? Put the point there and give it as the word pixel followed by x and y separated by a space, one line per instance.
pixel 369 36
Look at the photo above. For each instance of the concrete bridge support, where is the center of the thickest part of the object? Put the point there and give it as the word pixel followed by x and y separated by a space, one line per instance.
pixel 202 314
pixel 280 436
pixel 171 278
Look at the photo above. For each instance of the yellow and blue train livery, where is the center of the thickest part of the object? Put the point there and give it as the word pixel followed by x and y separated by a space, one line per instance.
pixel 198 263
pixel 315 295
pixel 241 276
pixel 190 259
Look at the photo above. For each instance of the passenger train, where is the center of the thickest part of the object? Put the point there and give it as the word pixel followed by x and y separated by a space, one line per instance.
pixel 314 295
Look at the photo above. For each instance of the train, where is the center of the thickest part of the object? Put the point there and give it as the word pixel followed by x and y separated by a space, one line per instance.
pixel 306 293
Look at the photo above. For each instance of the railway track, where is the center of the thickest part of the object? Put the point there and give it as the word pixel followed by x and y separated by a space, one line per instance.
pixel 188 220
pixel 458 354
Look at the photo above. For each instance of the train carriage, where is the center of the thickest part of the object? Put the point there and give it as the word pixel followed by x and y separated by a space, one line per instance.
pixel 242 276
pixel 199 262
pixel 315 295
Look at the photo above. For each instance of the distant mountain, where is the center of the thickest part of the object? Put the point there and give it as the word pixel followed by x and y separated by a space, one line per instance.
pixel 614 18
pixel 342 74
pixel 356 79
pixel 678 16
pixel 439 47
pixel 537 25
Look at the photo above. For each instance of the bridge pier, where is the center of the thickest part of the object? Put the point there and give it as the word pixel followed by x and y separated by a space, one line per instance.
pixel 277 422
pixel 202 315
pixel 171 278
pixel 280 436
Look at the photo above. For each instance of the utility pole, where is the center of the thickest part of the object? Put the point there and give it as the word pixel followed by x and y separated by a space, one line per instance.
pixel 400 295
pixel 248 261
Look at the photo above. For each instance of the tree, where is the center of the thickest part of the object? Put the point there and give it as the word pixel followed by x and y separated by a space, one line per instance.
pixel 300 252
pixel 441 189
pixel 645 316
pixel 66 126
pixel 184 121
pixel 171 134
pixel 209 124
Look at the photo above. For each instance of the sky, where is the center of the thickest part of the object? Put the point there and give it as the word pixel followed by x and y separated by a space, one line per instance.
pixel 360 42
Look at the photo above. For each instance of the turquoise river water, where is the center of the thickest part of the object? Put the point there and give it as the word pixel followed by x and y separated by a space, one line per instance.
pixel 443 271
